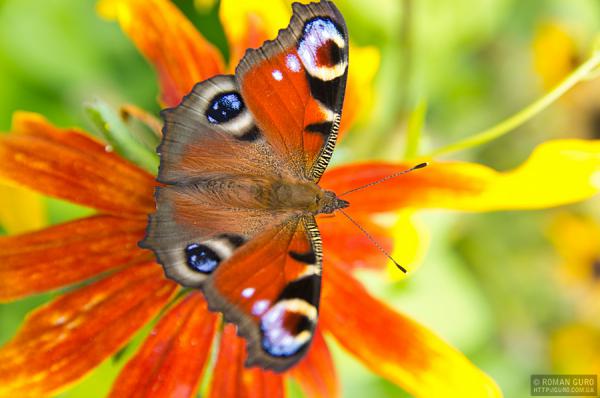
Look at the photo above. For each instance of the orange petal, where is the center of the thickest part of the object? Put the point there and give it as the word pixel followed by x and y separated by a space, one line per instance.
pixel 316 372
pixel 65 339
pixel 173 357
pixel 232 379
pixel 68 253
pixel 180 55
pixel 558 172
pixel 344 243
pixel 394 346
pixel 70 165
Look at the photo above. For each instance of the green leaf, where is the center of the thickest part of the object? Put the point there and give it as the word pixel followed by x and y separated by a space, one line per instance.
pixel 120 136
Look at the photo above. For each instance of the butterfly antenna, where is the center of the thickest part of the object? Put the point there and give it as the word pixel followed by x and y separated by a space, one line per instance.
pixel 368 235
pixel 384 179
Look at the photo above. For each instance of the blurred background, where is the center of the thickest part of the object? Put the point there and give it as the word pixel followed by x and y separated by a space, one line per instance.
pixel 517 292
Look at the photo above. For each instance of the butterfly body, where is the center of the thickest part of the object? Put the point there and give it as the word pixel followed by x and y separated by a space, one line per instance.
pixel 241 159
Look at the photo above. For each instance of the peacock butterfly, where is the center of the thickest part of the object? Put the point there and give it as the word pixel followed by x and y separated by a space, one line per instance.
pixel 241 158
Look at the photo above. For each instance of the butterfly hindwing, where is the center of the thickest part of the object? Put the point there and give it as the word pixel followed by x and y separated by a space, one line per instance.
pixel 294 85
pixel 270 288
pixel 199 225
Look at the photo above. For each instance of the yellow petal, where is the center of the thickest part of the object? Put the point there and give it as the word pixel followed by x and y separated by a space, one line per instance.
pixel 21 209
pixel 558 172
pixel 358 102
pixel 248 23
pixel 411 241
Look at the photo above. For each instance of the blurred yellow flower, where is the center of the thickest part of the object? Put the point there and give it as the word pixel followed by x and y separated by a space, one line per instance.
pixel 577 241
pixel 556 53
pixel 575 349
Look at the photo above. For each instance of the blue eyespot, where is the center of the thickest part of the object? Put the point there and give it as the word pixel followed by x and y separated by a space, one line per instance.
pixel 224 107
pixel 201 258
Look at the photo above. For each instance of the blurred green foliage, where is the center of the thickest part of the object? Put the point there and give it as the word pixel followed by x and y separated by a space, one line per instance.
pixel 486 285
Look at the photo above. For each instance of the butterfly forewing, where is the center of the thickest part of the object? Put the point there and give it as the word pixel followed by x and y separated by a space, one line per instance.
pixel 212 133
pixel 294 85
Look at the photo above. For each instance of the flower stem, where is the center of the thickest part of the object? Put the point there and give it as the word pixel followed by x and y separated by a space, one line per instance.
pixel 414 129
pixel 579 74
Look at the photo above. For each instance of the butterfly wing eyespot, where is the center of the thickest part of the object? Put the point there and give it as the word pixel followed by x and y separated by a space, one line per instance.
pixel 219 225
pixel 224 107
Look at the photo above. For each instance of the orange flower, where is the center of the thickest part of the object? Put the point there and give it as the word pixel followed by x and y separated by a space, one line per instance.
pixel 129 290
pixel 124 289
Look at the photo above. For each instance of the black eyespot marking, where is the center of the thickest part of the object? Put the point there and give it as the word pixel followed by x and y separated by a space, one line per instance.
pixel 235 240
pixel 224 107
pixel 201 258
pixel 322 128
pixel 335 53
pixel 306 288
pixel 303 324
pixel 306 258
pixel 251 135
pixel 327 92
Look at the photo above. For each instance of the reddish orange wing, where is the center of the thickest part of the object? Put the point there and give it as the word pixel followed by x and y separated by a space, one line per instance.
pixel 270 288
pixel 294 86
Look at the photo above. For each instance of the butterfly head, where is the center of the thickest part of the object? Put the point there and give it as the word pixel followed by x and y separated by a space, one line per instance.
pixel 329 203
